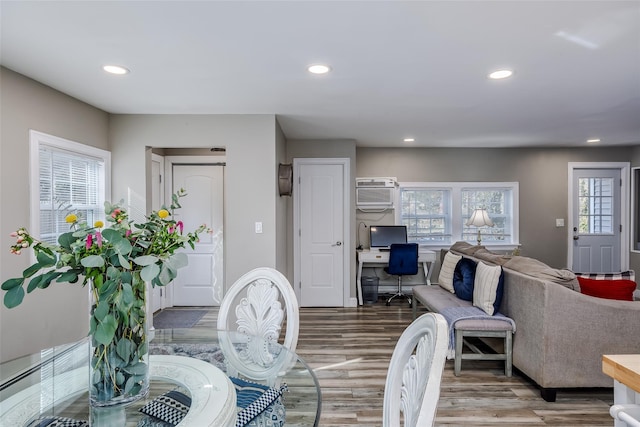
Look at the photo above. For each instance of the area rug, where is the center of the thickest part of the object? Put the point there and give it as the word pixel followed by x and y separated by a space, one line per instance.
pixel 177 318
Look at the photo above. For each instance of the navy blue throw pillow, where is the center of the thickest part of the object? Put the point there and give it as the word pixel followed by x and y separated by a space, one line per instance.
pixel 463 277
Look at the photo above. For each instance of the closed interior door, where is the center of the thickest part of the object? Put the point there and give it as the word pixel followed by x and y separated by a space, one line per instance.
pixel 321 235
pixel 596 220
pixel 201 282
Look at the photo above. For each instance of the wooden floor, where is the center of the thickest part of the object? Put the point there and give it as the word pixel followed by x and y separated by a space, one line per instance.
pixel 350 348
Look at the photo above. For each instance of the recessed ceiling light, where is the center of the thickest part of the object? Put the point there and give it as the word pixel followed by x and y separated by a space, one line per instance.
pixel 319 69
pixel 115 69
pixel 501 74
pixel 593 140
pixel 409 140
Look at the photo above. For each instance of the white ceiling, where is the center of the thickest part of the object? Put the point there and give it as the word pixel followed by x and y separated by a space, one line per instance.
pixel 416 68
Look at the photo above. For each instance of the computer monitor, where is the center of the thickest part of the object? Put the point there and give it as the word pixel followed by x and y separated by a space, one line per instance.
pixel 382 236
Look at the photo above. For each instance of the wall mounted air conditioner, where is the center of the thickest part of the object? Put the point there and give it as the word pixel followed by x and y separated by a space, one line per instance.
pixel 375 194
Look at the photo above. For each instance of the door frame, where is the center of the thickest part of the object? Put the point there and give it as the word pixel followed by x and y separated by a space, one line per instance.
pixel 625 194
pixel 169 161
pixel 160 159
pixel 346 235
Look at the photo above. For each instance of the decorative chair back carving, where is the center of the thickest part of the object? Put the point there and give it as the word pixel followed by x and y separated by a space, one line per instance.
pixel 255 300
pixel 415 373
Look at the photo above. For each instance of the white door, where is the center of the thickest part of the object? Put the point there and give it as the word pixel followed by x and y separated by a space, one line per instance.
pixel 596 220
pixel 201 282
pixel 322 236
pixel 157 200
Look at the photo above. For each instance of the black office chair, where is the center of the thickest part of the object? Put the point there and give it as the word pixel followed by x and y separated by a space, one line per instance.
pixel 403 261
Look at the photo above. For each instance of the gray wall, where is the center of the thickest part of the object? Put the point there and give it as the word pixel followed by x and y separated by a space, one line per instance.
pixel 542 174
pixel 57 314
pixel 250 185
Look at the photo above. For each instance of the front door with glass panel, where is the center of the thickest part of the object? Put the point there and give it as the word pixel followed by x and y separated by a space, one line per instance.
pixel 596 220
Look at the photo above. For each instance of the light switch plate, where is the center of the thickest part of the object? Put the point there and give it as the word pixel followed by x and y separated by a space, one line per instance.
pixel 258 227
pixel 559 222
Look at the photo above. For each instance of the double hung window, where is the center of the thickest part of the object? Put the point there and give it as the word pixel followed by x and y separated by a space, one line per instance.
pixel 67 177
pixel 436 213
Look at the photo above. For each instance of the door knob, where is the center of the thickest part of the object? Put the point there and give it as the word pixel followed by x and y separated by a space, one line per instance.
pixel 337 244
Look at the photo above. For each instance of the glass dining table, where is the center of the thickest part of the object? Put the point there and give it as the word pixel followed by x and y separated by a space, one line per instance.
pixel 52 384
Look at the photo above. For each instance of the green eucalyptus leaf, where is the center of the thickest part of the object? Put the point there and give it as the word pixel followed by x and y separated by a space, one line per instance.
pixel 112 235
pixel 80 234
pixel 145 260
pixel 167 274
pixel 124 262
pixel 127 294
pixel 123 246
pixel 12 283
pixel 137 368
pixel 95 261
pixel 106 330
pixel 101 311
pixel 109 287
pixel 30 271
pixel 92 325
pixel 34 283
pixel 66 240
pixel 70 276
pixel 120 378
pixel 47 278
pixel 125 348
pixel 45 259
pixel 112 272
pixel 178 260
pixel 126 277
pixel 149 272
pixel 97 376
pixel 13 297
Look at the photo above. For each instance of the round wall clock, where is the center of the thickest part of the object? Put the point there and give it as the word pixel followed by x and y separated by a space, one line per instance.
pixel 285 179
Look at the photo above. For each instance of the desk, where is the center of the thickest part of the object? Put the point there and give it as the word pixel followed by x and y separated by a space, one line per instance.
pixel 54 382
pixel 625 371
pixel 426 258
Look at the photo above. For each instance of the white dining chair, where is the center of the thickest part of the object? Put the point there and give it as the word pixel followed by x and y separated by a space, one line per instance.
pixel 628 414
pixel 253 306
pixel 415 372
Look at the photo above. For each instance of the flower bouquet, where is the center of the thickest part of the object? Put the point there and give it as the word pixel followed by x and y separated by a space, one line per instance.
pixel 116 261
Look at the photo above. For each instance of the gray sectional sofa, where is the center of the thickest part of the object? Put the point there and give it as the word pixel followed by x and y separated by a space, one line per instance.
pixel 561 334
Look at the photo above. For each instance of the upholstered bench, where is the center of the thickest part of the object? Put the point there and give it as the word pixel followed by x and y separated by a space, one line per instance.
pixel 478 324
pixel 480 328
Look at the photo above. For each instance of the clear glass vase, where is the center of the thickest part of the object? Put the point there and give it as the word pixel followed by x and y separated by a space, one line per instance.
pixel 119 348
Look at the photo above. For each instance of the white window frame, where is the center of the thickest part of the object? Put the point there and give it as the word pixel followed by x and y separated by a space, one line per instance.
pixel 455 194
pixel 36 140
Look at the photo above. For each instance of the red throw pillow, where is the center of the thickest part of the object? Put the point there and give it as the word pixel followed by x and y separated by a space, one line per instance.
pixel 610 289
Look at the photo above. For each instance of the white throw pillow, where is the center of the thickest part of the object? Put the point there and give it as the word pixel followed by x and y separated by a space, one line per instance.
pixel 445 280
pixel 485 287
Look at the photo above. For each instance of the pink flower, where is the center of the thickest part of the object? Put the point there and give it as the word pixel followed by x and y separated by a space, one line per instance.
pixel 127 233
pixel 180 226
pixel 99 239
pixel 14 234
pixel 89 240
pixel 170 229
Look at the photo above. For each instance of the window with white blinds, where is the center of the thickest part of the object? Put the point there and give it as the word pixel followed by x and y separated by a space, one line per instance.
pixel 71 177
pixel 436 213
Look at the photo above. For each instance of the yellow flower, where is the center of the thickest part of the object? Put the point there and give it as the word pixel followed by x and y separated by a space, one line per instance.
pixel 98 224
pixel 71 218
pixel 163 213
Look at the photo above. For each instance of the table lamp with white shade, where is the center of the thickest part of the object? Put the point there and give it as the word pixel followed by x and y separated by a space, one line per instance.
pixel 480 218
